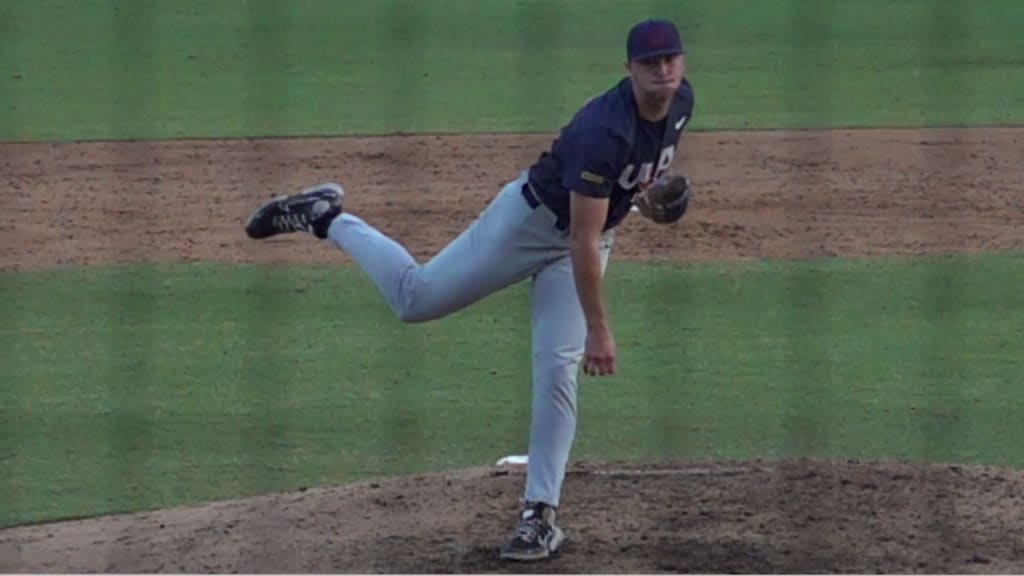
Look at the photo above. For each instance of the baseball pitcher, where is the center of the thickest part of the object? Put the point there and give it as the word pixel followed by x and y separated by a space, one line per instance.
pixel 554 224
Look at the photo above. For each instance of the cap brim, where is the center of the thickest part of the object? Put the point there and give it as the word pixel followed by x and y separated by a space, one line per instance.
pixel 656 53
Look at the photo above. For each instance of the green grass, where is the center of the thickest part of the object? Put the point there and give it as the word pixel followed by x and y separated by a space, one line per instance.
pixel 100 69
pixel 143 387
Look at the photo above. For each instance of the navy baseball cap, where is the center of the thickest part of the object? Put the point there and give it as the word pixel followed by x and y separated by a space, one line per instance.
pixel 652 38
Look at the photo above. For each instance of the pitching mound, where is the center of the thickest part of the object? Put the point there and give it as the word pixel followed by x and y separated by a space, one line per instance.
pixel 754 517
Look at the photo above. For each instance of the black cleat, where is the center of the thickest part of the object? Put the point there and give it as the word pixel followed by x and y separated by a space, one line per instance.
pixel 536 536
pixel 311 211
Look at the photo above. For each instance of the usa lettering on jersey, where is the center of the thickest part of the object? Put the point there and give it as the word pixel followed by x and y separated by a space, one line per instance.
pixel 648 173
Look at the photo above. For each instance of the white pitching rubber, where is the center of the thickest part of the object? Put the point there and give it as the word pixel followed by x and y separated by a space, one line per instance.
pixel 513 460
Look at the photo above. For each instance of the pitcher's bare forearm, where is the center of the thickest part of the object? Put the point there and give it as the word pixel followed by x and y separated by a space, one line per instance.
pixel 586 268
pixel 587 223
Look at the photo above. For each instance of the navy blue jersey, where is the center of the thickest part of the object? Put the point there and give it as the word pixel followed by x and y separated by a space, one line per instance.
pixel 608 151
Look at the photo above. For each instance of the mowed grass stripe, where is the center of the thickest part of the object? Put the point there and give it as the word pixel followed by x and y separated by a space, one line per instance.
pixel 145 387
pixel 99 69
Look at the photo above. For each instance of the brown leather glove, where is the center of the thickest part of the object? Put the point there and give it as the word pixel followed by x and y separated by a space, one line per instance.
pixel 666 200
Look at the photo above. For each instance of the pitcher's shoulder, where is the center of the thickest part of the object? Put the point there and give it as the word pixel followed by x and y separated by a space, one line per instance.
pixel 605 116
pixel 611 113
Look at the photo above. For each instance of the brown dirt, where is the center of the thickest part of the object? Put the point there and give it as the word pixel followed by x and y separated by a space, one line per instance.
pixel 749 517
pixel 757 195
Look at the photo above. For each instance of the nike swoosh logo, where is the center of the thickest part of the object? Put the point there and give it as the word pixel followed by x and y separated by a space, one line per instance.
pixel 679 125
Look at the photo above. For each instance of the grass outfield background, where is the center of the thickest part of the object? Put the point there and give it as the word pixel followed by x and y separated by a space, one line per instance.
pixel 164 384
pixel 149 68
pixel 143 387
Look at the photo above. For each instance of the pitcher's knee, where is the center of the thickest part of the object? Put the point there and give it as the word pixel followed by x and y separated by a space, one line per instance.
pixel 412 303
pixel 423 305
pixel 414 309
pixel 559 370
pixel 413 314
pixel 566 359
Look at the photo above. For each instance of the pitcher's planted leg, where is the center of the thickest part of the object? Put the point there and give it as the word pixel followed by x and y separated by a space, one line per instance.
pixel 559 333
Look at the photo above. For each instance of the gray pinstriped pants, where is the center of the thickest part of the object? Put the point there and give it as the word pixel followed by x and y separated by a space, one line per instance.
pixel 508 242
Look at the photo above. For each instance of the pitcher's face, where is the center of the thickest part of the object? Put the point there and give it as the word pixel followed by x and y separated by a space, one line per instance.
pixel 659 76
